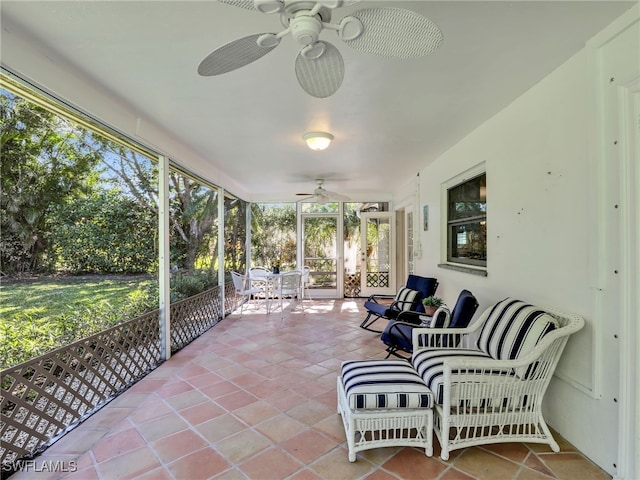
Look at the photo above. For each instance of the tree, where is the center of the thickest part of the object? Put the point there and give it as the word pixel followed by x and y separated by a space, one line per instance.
pixel 194 212
pixel 192 206
pixel 273 234
pixel 44 161
pixel 235 234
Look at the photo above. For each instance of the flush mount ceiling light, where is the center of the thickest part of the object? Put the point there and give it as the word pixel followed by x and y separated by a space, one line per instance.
pixel 318 140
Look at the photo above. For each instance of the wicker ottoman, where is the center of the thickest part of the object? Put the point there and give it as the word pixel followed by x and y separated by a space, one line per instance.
pixel 384 403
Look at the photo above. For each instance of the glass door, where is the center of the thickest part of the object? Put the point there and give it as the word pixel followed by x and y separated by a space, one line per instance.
pixel 320 253
pixel 377 257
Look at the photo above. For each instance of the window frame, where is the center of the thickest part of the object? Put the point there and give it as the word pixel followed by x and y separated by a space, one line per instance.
pixel 448 225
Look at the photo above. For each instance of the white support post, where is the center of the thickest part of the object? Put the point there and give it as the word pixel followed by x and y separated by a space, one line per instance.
pixel 247 247
pixel 221 265
pixel 164 258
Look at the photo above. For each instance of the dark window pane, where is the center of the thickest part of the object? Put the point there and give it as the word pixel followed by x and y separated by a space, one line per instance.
pixel 468 199
pixel 468 243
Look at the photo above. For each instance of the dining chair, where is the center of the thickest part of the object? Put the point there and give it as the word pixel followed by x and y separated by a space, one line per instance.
pixel 289 285
pixel 259 277
pixel 244 291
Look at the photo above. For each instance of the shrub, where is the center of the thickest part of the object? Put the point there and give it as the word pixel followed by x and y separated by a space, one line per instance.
pixel 185 284
pixel 106 232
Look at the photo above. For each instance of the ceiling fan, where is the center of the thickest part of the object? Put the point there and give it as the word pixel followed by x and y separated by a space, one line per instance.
pixel 322 196
pixel 392 32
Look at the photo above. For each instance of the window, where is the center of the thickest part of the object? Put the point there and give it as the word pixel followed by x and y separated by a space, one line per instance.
pixel 467 222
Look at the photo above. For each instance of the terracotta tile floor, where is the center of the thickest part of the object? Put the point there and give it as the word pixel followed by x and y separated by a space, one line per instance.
pixel 254 398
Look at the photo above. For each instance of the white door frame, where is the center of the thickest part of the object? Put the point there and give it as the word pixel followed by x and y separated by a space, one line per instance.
pixel 365 291
pixel 338 292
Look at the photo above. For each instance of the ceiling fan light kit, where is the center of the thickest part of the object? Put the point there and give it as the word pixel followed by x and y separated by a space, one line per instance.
pixel 318 140
pixel 385 31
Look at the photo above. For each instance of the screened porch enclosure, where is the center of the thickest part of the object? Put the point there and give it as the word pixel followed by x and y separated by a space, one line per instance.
pixel 113 210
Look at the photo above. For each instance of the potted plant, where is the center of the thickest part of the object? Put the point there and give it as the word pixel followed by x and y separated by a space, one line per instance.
pixel 431 304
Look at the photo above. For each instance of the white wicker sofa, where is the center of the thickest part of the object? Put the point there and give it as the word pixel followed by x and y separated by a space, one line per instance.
pixel 489 379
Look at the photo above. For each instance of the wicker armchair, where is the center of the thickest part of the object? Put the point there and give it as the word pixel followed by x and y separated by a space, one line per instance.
pixel 490 382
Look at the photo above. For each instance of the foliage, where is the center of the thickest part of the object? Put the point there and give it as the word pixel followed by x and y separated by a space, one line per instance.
pixel 103 232
pixel 190 283
pixel 75 200
pixel 273 235
pixel 193 206
pixel 193 216
pixel 44 161
pixel 235 234
pixel 351 223
pixel 432 301
pixel 39 316
pixel 322 231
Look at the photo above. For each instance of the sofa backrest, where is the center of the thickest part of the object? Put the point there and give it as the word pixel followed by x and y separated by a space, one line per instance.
pixel 512 328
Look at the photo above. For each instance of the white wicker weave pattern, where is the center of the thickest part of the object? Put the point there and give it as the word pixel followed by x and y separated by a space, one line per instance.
pixel 491 401
pixel 366 429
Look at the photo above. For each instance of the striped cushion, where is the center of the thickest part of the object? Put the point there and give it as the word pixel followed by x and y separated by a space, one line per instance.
pixel 407 299
pixel 384 384
pixel 513 328
pixel 430 366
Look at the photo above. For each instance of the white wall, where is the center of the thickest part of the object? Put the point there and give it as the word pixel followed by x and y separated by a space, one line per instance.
pixel 541 190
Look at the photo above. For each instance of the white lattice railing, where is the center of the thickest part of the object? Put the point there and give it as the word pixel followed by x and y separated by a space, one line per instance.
pixel 45 397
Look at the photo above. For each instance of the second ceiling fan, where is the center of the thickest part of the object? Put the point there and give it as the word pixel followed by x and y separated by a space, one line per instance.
pixel 322 196
pixel 392 32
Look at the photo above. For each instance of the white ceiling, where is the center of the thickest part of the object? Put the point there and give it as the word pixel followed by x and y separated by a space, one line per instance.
pixel 390 117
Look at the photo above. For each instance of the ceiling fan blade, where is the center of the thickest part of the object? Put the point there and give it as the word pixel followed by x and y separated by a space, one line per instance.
pixel 233 55
pixel 248 4
pixel 322 76
pixel 337 3
pixel 395 32
pixel 337 196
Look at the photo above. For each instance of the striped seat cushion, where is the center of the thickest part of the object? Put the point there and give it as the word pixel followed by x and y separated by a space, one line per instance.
pixel 429 364
pixel 513 328
pixel 384 384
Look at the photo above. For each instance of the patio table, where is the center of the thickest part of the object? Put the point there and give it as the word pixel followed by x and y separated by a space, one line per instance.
pixel 267 281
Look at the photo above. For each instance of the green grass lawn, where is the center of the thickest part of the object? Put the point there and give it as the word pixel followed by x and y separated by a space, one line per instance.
pixel 38 315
